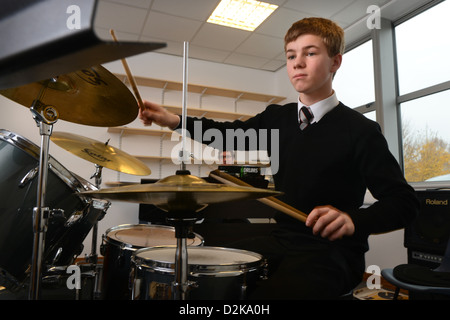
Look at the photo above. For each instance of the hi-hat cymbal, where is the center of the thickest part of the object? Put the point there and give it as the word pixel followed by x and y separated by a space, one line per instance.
pixel 181 192
pixel 91 96
pixel 100 153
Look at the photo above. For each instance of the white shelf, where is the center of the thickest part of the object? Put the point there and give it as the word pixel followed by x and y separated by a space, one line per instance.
pixel 202 89
pixel 195 112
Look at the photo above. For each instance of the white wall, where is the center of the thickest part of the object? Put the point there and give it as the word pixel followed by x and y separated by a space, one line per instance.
pixel 386 250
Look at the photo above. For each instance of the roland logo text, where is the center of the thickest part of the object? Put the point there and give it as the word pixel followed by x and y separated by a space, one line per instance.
pixel 436 202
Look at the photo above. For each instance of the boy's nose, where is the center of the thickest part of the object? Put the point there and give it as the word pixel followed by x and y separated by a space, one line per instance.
pixel 299 63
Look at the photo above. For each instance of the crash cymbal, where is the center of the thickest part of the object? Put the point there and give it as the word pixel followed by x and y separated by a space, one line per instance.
pixel 181 192
pixel 91 96
pixel 100 153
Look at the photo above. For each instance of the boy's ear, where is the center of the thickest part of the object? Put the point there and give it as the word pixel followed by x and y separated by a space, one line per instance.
pixel 336 63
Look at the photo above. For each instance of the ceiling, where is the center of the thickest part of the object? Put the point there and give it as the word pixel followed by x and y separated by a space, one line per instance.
pixel 176 21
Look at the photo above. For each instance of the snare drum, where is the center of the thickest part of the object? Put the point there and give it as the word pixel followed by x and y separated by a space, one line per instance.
pixel 218 273
pixel 68 224
pixel 119 243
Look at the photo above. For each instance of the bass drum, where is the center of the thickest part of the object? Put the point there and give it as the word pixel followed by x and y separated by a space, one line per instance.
pixel 119 243
pixel 216 273
pixel 71 215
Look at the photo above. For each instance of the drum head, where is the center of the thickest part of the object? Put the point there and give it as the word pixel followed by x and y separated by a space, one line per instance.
pixel 145 236
pixel 204 256
pixel 201 260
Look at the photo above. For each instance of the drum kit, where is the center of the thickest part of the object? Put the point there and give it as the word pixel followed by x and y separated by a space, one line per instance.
pixel 47 211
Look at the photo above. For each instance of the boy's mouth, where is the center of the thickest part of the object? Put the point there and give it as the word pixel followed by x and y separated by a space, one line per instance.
pixel 299 76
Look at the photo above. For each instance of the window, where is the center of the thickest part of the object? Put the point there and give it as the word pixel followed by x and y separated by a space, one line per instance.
pixel 423 45
pixel 422 48
pixel 426 137
pixel 354 81
pixel 371 115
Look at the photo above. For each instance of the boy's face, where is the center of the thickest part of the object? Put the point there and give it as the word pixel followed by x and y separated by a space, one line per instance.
pixel 309 67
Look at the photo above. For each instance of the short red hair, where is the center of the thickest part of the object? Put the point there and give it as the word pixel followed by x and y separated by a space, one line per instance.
pixel 330 32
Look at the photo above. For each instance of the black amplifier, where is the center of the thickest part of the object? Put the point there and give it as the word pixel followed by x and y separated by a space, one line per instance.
pixel 427 237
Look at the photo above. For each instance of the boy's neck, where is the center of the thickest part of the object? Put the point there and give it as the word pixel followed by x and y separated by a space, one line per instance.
pixel 308 99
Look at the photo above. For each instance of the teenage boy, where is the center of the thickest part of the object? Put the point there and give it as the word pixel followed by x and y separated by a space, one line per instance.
pixel 325 168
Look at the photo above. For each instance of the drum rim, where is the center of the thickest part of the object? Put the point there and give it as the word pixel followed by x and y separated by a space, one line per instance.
pixel 130 246
pixel 199 270
pixel 75 182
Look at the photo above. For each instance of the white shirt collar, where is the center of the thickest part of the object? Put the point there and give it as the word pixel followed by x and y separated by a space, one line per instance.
pixel 319 109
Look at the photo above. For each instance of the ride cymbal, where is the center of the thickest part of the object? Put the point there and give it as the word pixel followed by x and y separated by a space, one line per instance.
pixel 91 96
pixel 100 153
pixel 181 192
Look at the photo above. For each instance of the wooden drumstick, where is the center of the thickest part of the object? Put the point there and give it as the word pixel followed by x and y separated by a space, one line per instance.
pixel 129 76
pixel 270 201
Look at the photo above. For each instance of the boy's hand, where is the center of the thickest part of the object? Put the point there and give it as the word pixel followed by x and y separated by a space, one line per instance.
pixel 155 113
pixel 330 223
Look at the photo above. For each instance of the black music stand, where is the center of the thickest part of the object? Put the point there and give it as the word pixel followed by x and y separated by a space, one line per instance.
pixel 43 38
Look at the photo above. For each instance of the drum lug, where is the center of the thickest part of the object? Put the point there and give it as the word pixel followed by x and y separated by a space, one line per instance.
pixel 77 215
pixel 243 290
pixel 57 255
pixel 57 213
pixel 102 205
pixel 28 177
pixel 120 257
pixel 184 287
pixel 102 249
pixel 265 270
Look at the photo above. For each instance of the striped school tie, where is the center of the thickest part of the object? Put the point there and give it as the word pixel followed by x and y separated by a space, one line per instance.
pixel 305 117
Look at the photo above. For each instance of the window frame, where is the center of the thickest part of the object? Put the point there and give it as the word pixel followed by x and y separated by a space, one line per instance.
pixel 388 112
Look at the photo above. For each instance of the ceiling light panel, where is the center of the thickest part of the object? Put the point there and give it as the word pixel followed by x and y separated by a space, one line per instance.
pixel 241 14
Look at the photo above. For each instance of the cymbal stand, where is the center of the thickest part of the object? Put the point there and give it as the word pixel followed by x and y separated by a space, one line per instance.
pixel 98 181
pixel 45 117
pixel 183 153
pixel 93 257
pixel 183 223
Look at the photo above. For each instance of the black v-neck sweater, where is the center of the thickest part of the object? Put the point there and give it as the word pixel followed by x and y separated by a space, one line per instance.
pixel 332 162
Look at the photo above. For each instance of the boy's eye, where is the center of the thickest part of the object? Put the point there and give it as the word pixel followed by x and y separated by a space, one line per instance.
pixel 290 57
pixel 310 54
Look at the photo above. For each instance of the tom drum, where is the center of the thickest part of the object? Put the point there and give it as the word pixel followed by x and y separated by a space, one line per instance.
pixel 119 243
pixel 70 219
pixel 218 273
